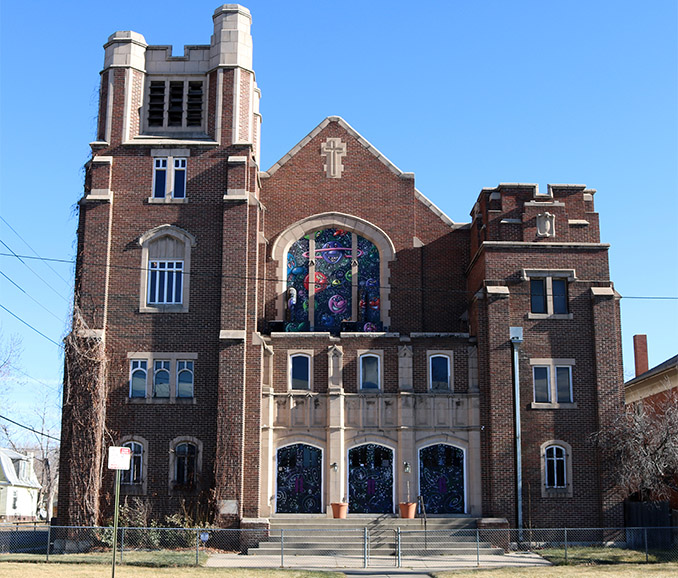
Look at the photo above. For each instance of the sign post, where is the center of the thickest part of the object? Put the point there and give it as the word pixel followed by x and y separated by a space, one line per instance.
pixel 119 458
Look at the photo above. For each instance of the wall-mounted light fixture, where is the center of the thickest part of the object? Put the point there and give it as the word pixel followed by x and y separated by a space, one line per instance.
pixel 406 467
pixel 334 466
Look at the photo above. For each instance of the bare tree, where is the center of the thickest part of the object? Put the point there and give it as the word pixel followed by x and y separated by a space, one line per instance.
pixel 10 351
pixel 642 444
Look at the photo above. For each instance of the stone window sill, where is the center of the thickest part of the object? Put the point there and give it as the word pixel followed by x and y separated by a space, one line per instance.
pixel 550 316
pixel 539 405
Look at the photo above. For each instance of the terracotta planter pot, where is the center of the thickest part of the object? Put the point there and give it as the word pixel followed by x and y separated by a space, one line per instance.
pixel 339 509
pixel 408 509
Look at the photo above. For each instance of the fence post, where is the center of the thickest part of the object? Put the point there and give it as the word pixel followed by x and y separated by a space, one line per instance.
pixel 365 547
pixel 565 545
pixel 398 544
pixel 49 540
pixel 282 548
pixel 646 555
pixel 477 547
pixel 122 543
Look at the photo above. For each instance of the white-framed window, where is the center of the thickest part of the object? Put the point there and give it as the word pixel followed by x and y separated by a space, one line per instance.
pixel 138 374
pixel 549 297
pixel 165 282
pixel 552 383
pixel 161 378
pixel 185 464
pixel 135 473
pixel 184 378
pixel 370 374
pixel 174 105
pixel 172 376
pixel 169 178
pixel 300 364
pixel 440 376
pixel 556 469
pixel 165 273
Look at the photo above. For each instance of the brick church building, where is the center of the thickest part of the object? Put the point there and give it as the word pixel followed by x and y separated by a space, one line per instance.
pixel 274 341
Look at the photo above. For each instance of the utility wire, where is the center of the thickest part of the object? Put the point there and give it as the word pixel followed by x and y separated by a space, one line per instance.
pixel 275 280
pixel 30 326
pixel 34 273
pixel 18 370
pixel 30 297
pixel 46 261
pixel 30 428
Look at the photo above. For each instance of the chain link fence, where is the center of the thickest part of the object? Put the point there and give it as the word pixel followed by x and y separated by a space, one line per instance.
pixel 350 547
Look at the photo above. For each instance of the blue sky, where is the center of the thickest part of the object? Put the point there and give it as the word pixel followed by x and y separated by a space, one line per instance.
pixel 465 94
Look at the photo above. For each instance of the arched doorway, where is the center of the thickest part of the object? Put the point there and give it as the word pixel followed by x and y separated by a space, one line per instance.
pixel 441 479
pixel 370 479
pixel 299 480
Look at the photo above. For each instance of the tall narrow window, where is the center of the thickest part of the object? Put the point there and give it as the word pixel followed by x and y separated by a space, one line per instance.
pixel 159 178
pixel 542 387
pixel 134 474
pixel 184 464
pixel 369 372
pixel 179 188
pixel 559 295
pixel 161 379
pixel 439 372
pixel 300 371
pixel 538 295
pixel 564 384
pixel 184 379
pixel 164 284
pixel 556 467
pixel 137 382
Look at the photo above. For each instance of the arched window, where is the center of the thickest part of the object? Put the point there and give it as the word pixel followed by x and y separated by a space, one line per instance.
pixel 370 371
pixel 439 372
pixel 185 464
pixel 161 378
pixel 184 379
pixel 556 469
pixel 555 462
pixel 300 371
pixel 135 473
pixel 137 382
pixel 166 263
pixel 333 276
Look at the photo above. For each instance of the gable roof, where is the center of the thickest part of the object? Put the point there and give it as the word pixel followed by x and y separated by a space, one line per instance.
pixel 10 474
pixel 670 363
pixel 370 148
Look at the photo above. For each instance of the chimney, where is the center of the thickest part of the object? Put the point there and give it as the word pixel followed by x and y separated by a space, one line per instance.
pixel 640 353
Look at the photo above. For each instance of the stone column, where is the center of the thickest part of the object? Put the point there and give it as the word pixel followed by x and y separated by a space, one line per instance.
pixel 335 480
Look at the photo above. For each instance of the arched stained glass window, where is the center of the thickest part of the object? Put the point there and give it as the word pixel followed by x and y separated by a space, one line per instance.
pixel 333 277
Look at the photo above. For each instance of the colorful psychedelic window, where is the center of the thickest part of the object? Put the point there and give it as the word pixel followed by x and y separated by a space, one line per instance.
pixel 333 277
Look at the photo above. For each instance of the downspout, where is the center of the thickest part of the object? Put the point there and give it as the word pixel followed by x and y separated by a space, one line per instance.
pixel 516 334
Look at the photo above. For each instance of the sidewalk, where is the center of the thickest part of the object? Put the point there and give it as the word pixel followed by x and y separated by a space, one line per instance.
pixel 428 563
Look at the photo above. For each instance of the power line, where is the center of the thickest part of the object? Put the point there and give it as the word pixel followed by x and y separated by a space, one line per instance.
pixel 276 280
pixel 34 273
pixel 29 296
pixel 30 428
pixel 14 368
pixel 30 326
pixel 68 283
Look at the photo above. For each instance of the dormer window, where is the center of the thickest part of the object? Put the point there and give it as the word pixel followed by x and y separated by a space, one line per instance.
pixel 174 105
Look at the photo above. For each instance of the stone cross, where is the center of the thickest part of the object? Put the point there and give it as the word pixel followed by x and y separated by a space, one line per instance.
pixel 333 149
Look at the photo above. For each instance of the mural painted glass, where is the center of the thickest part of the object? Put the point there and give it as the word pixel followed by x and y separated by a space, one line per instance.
pixel 323 269
pixel 370 480
pixel 299 480
pixel 441 479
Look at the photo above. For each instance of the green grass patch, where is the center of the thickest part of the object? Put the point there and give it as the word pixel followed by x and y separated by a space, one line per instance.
pixel 601 556
pixel 150 559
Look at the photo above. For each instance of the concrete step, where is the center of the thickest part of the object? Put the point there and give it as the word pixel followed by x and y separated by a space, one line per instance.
pixel 294 538
pixel 333 550
pixel 361 521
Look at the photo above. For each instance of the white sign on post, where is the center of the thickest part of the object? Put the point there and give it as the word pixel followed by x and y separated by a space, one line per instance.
pixel 119 458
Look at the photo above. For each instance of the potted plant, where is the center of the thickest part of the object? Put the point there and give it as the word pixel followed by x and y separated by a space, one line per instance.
pixel 339 509
pixel 408 509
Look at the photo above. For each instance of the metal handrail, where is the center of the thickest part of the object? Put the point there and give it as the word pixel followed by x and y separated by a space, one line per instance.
pixel 423 511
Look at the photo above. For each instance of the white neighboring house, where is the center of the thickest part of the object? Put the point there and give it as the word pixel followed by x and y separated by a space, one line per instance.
pixel 19 486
